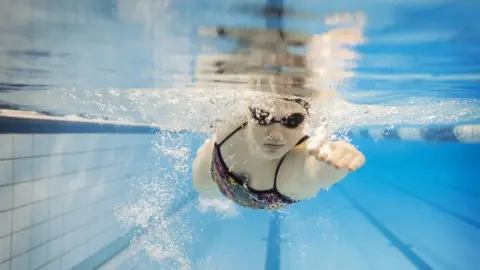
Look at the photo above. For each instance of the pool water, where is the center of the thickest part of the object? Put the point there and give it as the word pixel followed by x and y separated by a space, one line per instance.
pixel 413 207
pixel 78 192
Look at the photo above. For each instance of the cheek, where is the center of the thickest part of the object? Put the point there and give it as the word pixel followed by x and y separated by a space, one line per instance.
pixel 259 134
pixel 256 133
pixel 294 135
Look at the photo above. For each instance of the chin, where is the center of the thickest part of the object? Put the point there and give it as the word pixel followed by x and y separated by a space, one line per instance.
pixel 273 155
pixel 260 150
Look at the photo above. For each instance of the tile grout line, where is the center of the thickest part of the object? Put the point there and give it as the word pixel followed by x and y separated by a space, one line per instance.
pixel 70 192
pixel 78 245
pixel 74 210
pixel 31 216
pixel 83 170
pixel 77 152
pixel 64 233
pixel 32 196
pixel 75 172
pixel 47 202
pixel 12 199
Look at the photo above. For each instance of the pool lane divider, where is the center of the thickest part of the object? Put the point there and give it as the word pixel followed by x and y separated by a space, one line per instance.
pixel 462 133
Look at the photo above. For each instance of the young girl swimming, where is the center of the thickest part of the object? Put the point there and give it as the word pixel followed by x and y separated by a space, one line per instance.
pixel 264 159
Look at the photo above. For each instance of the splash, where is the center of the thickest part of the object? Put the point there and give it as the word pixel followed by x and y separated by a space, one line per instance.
pixel 162 230
pixel 222 207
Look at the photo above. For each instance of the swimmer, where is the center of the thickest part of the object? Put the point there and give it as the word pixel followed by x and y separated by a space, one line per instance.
pixel 263 159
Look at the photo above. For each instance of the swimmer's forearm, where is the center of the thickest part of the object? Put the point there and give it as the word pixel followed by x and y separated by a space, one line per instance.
pixel 321 174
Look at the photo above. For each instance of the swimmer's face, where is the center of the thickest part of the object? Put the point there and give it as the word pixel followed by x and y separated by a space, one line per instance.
pixel 275 127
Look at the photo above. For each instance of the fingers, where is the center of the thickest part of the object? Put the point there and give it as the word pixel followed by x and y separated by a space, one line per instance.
pixel 336 157
pixel 356 163
pixel 340 155
pixel 314 148
pixel 344 161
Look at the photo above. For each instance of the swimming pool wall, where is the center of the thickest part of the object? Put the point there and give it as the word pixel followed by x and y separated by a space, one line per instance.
pixel 58 191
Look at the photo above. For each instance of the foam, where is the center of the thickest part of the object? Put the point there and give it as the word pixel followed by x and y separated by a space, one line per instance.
pixel 197 109
pixel 223 207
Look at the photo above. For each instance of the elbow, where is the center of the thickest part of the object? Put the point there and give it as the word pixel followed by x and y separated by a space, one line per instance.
pixel 197 175
pixel 202 180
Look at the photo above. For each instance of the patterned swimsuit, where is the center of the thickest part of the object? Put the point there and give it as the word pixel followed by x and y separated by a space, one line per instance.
pixel 237 189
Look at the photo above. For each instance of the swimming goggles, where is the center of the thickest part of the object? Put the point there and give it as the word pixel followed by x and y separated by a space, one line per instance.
pixel 264 118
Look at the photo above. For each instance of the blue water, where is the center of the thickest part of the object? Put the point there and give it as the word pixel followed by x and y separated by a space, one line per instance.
pixel 413 206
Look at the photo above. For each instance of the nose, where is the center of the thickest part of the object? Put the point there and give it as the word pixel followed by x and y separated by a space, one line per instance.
pixel 274 132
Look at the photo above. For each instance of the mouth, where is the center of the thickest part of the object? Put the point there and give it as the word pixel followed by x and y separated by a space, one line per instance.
pixel 273 147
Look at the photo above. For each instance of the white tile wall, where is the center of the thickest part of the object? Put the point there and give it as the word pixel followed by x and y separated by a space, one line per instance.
pixel 6 146
pixel 55 208
pixel 58 193
pixel 5 172
pixel 21 242
pixel 41 167
pixel 4 246
pixel 22 194
pixel 6 197
pixel 22 170
pixel 55 248
pixel 42 144
pixel 5 265
pixel 40 212
pixel 22 218
pixel 39 256
pixel 22 145
pixel 40 190
pixel 40 234
pixel 55 264
pixel 21 262
pixel 5 223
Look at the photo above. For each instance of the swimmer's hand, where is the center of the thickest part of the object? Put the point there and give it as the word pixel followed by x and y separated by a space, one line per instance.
pixel 338 154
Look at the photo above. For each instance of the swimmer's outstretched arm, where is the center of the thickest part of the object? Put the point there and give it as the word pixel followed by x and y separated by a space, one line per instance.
pixel 324 163
pixel 202 179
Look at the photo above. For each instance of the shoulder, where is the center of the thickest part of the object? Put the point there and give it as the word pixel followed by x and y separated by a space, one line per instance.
pixel 291 174
pixel 304 176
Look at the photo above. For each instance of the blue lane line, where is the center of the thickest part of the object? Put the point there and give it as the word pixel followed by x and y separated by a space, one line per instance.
pixel 440 208
pixel 274 22
pixel 272 262
pixel 123 242
pixel 394 240
pixel 193 52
